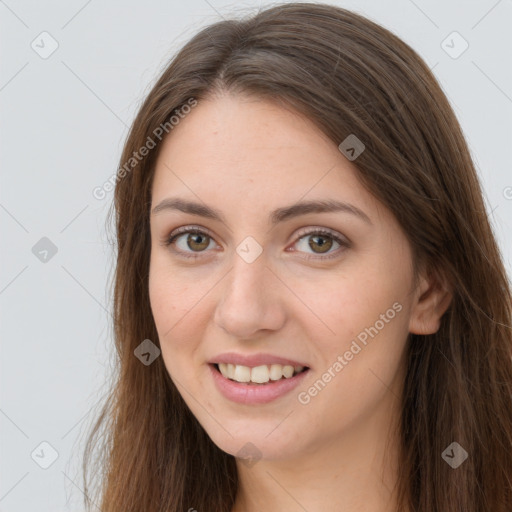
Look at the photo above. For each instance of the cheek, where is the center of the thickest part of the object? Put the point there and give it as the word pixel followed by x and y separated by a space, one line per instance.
pixel 181 310
pixel 366 353
pixel 171 304
pixel 164 303
pixel 339 306
pixel 366 310
pixel 357 379
pixel 172 295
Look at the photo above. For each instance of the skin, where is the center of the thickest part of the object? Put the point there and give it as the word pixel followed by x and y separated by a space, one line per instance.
pixel 246 157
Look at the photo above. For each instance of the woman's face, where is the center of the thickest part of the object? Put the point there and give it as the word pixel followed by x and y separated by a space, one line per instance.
pixel 269 283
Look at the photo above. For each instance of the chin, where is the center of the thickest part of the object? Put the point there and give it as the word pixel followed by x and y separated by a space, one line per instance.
pixel 255 439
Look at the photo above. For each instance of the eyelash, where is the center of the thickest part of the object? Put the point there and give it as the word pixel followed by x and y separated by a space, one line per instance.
pixel 197 231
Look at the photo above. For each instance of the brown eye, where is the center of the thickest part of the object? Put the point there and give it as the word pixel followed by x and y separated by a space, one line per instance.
pixel 189 243
pixel 198 241
pixel 321 242
pixel 324 243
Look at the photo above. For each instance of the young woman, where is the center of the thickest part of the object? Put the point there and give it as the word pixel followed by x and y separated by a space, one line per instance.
pixel 311 312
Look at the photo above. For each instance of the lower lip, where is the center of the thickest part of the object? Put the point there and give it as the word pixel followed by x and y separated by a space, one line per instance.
pixel 255 393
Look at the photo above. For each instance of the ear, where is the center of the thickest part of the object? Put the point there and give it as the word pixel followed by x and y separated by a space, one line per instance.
pixel 432 298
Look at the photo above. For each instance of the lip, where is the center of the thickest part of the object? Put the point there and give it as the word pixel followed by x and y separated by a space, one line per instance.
pixel 246 393
pixel 253 360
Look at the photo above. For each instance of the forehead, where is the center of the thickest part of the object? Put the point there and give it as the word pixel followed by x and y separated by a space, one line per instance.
pixel 252 146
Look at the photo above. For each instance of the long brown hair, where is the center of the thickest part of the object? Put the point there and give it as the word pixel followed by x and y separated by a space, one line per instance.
pixel 349 76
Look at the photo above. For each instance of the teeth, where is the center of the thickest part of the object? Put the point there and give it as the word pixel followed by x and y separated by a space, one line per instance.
pixel 276 372
pixel 259 374
pixel 242 373
pixel 288 371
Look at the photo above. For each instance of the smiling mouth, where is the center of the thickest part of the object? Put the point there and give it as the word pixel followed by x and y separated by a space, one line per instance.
pixel 264 374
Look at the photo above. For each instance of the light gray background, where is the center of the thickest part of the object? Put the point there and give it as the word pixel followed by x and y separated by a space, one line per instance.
pixel 64 120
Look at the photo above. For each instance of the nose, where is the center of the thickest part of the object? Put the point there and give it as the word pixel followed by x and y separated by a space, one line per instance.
pixel 250 300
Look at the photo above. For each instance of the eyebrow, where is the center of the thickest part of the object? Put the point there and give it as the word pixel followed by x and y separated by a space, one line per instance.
pixel 275 217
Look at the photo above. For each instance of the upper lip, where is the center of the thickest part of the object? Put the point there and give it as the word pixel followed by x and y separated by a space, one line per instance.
pixel 253 360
